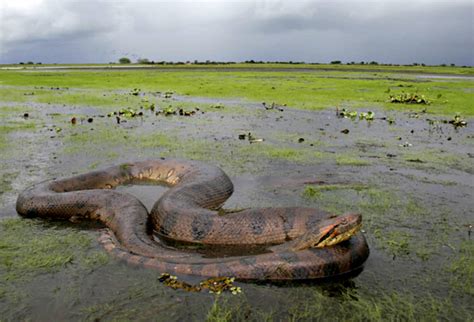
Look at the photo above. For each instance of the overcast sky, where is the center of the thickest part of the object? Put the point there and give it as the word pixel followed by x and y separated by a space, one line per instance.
pixel 387 31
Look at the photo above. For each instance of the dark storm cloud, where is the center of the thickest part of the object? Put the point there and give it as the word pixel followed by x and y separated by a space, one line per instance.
pixel 432 32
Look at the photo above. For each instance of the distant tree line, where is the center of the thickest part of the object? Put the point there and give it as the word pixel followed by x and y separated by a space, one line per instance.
pixel 146 61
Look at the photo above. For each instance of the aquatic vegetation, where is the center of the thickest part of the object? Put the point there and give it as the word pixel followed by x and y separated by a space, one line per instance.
pixel 458 121
pixel 217 106
pixel 348 160
pixel 462 268
pixel 170 110
pixel 10 123
pixel 147 105
pixel 311 191
pixel 409 98
pixel 386 215
pixel 294 90
pixel 168 94
pixel 355 305
pixel 369 116
pixel 29 248
pixel 347 114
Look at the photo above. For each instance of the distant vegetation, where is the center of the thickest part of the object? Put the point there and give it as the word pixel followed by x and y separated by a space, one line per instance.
pixel 143 61
pixel 29 63
pixel 124 60
pixel 146 61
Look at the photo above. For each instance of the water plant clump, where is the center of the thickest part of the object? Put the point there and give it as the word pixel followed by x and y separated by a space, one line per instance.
pixel 135 92
pixel 458 121
pixel 217 106
pixel 170 110
pixel 147 105
pixel 409 98
pixel 127 112
pixel 369 116
pixel 168 94
pixel 346 113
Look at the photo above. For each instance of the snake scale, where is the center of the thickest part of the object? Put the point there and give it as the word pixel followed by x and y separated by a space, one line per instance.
pixel 188 212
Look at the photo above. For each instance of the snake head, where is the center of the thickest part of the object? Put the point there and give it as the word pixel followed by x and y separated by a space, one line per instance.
pixel 335 230
pixel 327 232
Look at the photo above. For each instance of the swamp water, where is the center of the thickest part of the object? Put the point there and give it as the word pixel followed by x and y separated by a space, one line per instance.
pixel 408 173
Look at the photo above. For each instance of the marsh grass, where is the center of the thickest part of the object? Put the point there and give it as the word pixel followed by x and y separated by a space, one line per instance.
pixel 462 268
pixel 172 144
pixel 392 219
pixel 301 90
pixel 434 158
pixel 31 247
pixel 392 306
pixel 10 123
pixel 347 160
pixel 350 305
pixel 14 124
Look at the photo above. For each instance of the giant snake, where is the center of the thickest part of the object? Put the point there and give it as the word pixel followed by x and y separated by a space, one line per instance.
pixel 189 213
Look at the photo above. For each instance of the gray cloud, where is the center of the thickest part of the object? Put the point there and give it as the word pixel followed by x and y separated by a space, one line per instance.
pixel 432 32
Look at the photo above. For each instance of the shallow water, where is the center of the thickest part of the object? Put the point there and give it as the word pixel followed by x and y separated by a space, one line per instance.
pixel 412 181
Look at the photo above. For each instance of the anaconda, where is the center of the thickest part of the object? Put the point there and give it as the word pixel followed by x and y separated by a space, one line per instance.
pixel 188 212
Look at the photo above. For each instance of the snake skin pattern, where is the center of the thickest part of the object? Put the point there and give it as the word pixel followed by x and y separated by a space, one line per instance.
pixel 188 212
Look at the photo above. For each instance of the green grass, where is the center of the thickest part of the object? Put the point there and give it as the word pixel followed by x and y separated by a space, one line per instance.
pixel 311 191
pixel 392 306
pixel 30 247
pixel 439 159
pixel 462 268
pixel 318 90
pixel 80 139
pixel 84 97
pixel 350 161
pixel 351 305
pixel 389 217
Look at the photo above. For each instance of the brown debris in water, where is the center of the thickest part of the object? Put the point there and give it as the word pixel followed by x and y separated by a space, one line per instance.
pixel 215 285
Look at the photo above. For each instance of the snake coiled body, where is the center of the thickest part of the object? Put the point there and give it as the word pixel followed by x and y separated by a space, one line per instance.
pixel 188 213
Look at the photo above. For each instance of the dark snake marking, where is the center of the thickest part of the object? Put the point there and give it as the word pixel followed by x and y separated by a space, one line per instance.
pixel 187 213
